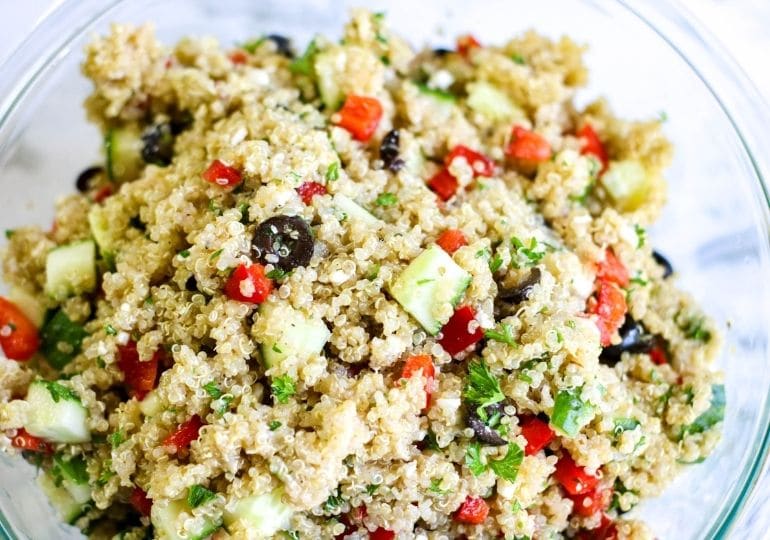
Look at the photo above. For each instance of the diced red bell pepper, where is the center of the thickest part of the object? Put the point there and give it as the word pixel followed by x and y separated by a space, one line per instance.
pixel 576 480
pixel 352 520
pixel 248 283
pixel 18 336
pixel 611 269
pixel 466 43
pixel 140 377
pixel 186 433
pixel 102 193
pixel 238 57
pixel 587 504
pixel 140 502
pixel 421 363
pixel 610 309
pixel 382 534
pixel 451 240
pixel 658 355
pixel 473 510
pixel 24 441
pixel 481 164
pixel 529 146
pixel 360 115
pixel 308 190
pixel 607 530
pixel 457 334
pixel 538 434
pixel 222 175
pixel 591 145
pixel 444 184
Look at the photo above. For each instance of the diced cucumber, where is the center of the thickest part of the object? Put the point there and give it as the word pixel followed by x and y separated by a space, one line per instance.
pixel 347 208
pixel 441 96
pixel 297 334
pixel 329 66
pixel 61 339
pixel 627 183
pixel 263 515
pixel 151 405
pixel 28 304
pixel 167 523
pixel 712 416
pixel 487 100
pixel 56 413
pixel 430 281
pixel 570 412
pixel 71 474
pixel 70 270
pixel 99 223
pixel 123 149
pixel 66 506
pixel 304 64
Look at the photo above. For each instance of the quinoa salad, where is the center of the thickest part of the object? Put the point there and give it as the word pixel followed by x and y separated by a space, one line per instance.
pixel 354 292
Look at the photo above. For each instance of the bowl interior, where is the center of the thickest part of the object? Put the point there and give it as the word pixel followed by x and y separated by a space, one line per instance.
pixel 713 230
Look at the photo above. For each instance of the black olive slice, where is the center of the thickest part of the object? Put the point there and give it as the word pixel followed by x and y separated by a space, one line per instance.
pixel 158 145
pixel 83 182
pixel 389 151
pixel 282 44
pixel 481 428
pixel 633 338
pixel 286 242
pixel 664 263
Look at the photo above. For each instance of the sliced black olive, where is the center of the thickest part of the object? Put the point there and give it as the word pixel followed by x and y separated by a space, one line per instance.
pixel 633 338
pixel 83 183
pixel 664 263
pixel 180 121
pixel 389 151
pixel 482 430
pixel 282 44
pixel 137 223
pixel 191 284
pixel 441 52
pixel 158 145
pixel 286 242
pixel 508 299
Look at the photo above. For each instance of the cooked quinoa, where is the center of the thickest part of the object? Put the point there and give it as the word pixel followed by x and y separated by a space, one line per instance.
pixel 361 292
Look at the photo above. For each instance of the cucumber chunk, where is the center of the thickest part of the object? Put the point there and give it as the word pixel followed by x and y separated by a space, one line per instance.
pixel 65 504
pixel 490 102
pixel 328 66
pixel 151 405
pixel 56 413
pixel 298 334
pixel 441 96
pixel 627 183
pixel 167 522
pixel 123 149
pixel 71 270
pixel 28 304
pixel 430 281
pixel 263 515
pixel 71 474
pixel 61 339
pixel 570 412
pixel 99 223
pixel 347 208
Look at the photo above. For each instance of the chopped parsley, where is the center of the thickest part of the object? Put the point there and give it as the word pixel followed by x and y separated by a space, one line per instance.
pixel 277 349
pixel 110 330
pixel 60 329
pixel 386 199
pixel 106 473
pixel 252 45
pixel 473 459
pixel 333 172
pixel 117 438
pixel 624 424
pixel 198 495
pixel 430 441
pixel 435 487
pixel 224 404
pixel 495 263
pixel 639 280
pixel 425 281
pixel 503 334
pixel 519 59
pixel 73 469
pixel 334 502
pixel 712 416
pixel 59 391
pixel 641 236
pixel 373 272
pixel 213 390
pixel 516 506
pixel 291 535
pixel 283 388
pixel 184 253
pixel 694 328
pixel 274 424
pixel 482 388
pixel 570 412
pixel 527 254
pixel 372 488
pixel 214 256
pixel 304 64
pixel 506 468
pixel 9 233
pixel 277 274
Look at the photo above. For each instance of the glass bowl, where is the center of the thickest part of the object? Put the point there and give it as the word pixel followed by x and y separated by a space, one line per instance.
pixel 647 62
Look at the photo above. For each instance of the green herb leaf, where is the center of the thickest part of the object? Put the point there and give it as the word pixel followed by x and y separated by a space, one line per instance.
pixel 291 535
pixel 713 415
pixel 213 390
pixel 625 424
pixel 252 45
pixel 184 253
pixel 277 274
pixel 117 438
pixel 110 330
pixel 694 328
pixel 274 424
pixel 435 487
pixel 9 233
pixel 333 172
pixel 570 412
pixel 61 339
pixel 198 495
pixel 527 254
pixel 59 391
pixel 372 488
pixel 641 235
pixel 437 93
pixel 473 459
pixel 224 404
pixel 503 334
pixel 482 388
pixel 519 59
pixel 283 388
pixel 214 256
pixel 430 441
pixel 72 469
pixel 304 64
pixel 508 467
pixel 515 507
pixel 373 272
pixel 495 263
pixel 386 199
pixel 639 280
pixel 334 502
pixel 663 116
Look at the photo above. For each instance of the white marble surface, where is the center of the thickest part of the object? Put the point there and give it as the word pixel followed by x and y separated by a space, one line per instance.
pixel 740 25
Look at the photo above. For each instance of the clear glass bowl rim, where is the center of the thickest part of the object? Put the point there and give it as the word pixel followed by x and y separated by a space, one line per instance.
pixel 733 91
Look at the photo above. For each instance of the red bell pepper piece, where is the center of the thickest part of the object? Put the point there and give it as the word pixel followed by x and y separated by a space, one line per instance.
pixel 382 534
pixel 610 309
pixel 140 377
pixel 360 115
pixel 18 336
pixel 24 441
pixel 466 43
pixel 587 504
pixel 308 190
pixel 140 501
pixel 421 363
pixel 591 145
pixel 186 433
pixel 451 240
pixel 102 194
pixel 248 283
pixel 222 175
pixel 538 434
pixel 444 184
pixel 658 355
pixel 611 269
pixel 457 334
pixel 607 530
pixel 238 57
pixel 576 480
pixel 481 164
pixel 473 510
pixel 528 146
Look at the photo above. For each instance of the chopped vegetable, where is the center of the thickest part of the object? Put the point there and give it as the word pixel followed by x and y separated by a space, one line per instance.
pixel 248 283
pixel 184 434
pixel 451 240
pixel 503 334
pixel 283 388
pixel 627 183
pixel 461 331
pixel 713 415
pixel 480 164
pixel 389 150
pixel 332 172
pixel 158 145
pixel 140 502
pixel 612 270
pixel 386 199
pixel 18 336
pixel 508 467
pixel 55 413
pixel 286 242
pixel 423 364
pixel 304 64
pixel 70 270
pixel 444 184
pixel 198 495
pixel 538 434
pixel 658 355
pixel 140 376
pixel 474 510
pixel 381 534
pixel 528 146
pixel 587 504
pixel 607 530
pixel 61 339
pixel 308 190
pixel 492 103
pixel 591 145
pixel 222 175
pixel 23 440
pixel 575 479
pixel 473 459
pixel 570 412
pixel 360 115
pixel 482 388
pixel 466 43
pixel 610 309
